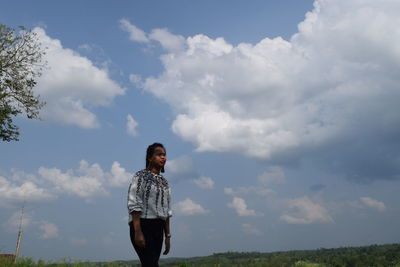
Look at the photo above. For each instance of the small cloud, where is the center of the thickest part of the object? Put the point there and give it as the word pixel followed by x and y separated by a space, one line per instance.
pixel 85 47
pixel 14 222
pixel 78 241
pixel 204 182
pixel 229 191
pixel 275 175
pixel 188 207
pixel 135 34
pixel 304 211
pixel 246 190
pixel 251 230
pixel 50 230
pixel 240 206
pixel 373 203
pixel 131 125
pixel 136 80
pixel 167 40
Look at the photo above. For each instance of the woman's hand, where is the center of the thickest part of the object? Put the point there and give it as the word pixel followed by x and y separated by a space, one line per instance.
pixel 167 245
pixel 139 239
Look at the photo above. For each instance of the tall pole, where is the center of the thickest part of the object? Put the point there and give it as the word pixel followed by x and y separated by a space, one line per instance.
pixel 19 233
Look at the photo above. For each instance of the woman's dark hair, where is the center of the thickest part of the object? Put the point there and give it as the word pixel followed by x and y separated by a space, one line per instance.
pixel 150 152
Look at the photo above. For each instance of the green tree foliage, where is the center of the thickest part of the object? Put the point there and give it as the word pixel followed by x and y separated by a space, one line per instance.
pixel 21 56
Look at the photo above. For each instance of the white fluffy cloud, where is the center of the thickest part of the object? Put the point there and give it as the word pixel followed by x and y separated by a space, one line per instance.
pixel 240 206
pixel 70 84
pixel 87 181
pixel 251 230
pixel 119 176
pixel 88 184
pixel 333 81
pixel 204 182
pixel 131 125
pixel 188 207
pixel 373 203
pixel 50 230
pixel 305 211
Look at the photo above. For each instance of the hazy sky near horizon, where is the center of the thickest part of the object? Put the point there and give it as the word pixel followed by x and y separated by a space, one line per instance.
pixel 280 118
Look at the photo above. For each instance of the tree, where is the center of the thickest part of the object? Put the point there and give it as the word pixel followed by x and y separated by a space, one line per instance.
pixel 21 56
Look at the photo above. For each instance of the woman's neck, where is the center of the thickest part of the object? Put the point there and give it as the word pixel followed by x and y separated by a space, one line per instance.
pixel 154 169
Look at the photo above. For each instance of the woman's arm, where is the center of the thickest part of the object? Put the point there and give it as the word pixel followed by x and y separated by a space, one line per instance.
pixel 139 237
pixel 135 207
pixel 167 236
pixel 135 194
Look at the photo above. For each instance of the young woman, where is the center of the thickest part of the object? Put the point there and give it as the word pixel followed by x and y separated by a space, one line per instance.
pixel 149 207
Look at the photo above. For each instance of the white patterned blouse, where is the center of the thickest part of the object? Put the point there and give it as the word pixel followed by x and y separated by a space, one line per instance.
pixel 150 194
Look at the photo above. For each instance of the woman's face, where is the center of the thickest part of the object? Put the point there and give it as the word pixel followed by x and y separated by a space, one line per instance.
pixel 159 157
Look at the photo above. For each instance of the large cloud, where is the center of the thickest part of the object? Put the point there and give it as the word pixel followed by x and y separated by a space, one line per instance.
pixel 72 84
pixel 87 181
pixel 333 87
pixel 85 185
pixel 11 192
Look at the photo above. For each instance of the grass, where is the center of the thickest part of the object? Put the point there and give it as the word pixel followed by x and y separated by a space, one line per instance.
pixel 27 262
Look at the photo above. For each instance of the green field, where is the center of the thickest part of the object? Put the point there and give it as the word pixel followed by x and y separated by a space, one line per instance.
pixel 367 256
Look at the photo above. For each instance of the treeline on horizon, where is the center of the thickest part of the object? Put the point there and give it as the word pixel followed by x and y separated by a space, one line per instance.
pixel 367 256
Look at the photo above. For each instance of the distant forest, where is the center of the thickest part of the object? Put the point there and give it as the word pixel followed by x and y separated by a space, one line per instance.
pixel 367 256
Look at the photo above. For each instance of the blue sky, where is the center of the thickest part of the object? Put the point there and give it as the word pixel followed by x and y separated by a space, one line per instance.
pixel 280 120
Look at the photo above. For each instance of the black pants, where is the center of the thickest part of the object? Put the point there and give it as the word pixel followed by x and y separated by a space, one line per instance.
pixel 153 231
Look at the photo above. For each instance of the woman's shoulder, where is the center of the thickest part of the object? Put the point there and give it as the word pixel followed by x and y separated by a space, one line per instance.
pixel 148 175
pixel 163 179
pixel 142 173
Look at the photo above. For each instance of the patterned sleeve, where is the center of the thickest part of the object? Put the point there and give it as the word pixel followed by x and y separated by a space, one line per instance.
pixel 169 202
pixel 135 194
